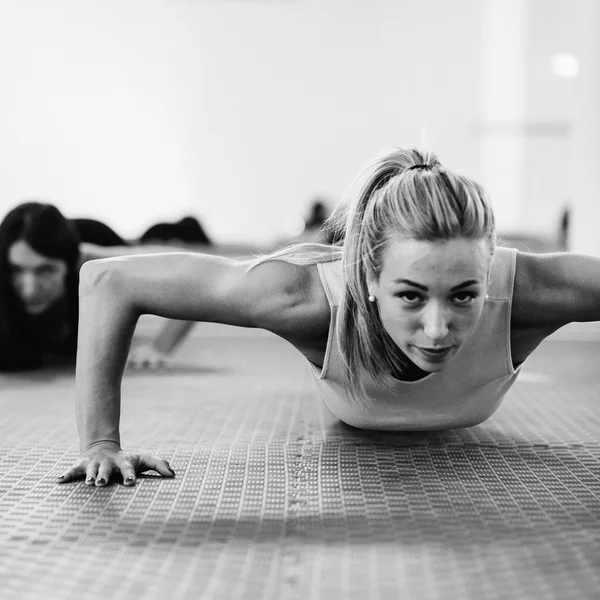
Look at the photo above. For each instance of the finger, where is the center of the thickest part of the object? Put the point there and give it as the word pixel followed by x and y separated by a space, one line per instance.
pixel 91 473
pixel 136 360
pixel 104 472
pixel 137 364
pixel 149 463
pixel 127 471
pixel 153 360
pixel 160 364
pixel 74 473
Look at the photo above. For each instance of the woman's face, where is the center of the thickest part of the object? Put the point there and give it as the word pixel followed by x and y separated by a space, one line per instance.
pixel 38 281
pixel 430 296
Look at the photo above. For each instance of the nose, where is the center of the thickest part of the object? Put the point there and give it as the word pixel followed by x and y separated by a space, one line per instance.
pixel 28 286
pixel 435 323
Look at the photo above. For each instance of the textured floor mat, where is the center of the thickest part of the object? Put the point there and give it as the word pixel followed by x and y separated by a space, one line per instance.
pixel 275 499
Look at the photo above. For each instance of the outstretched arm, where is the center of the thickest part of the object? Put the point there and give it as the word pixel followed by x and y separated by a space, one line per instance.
pixel 194 287
pixel 156 353
pixel 552 290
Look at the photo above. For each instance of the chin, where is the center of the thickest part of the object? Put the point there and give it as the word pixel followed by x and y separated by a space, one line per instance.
pixel 37 310
pixel 429 368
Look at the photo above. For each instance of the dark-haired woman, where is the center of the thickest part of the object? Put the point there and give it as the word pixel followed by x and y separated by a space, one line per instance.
pixel 41 253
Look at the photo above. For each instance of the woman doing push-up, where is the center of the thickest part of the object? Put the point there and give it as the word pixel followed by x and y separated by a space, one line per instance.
pixel 415 320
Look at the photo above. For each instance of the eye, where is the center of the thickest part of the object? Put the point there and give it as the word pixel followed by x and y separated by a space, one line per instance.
pixel 464 298
pixel 411 298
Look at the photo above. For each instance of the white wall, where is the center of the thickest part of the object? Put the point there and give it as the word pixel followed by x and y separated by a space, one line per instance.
pixel 237 112
pixel 586 134
pixel 527 129
pixel 550 114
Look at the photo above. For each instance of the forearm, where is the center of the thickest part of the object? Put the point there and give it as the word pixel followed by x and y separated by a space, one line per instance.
pixel 113 293
pixel 107 319
pixel 171 335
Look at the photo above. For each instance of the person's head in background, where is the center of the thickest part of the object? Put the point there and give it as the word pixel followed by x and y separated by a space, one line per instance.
pixel 418 242
pixel 317 214
pixel 39 254
pixel 187 230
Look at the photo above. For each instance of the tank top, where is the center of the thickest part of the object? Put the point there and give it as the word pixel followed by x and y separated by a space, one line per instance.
pixel 463 394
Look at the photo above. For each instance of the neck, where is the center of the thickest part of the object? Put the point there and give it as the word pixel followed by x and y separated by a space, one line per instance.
pixel 52 323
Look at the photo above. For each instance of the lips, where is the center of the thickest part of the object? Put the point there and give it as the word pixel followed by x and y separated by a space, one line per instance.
pixel 33 306
pixel 434 353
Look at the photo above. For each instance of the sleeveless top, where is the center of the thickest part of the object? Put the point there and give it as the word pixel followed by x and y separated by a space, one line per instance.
pixel 463 394
pixel 46 339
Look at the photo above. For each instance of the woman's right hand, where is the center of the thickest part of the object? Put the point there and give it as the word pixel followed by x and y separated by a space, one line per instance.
pixel 104 461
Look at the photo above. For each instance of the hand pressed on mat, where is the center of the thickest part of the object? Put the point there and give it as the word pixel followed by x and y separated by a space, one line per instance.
pixel 147 357
pixel 105 461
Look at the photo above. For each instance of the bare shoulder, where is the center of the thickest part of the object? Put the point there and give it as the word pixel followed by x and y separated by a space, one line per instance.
pixel 88 251
pixel 279 296
pixel 554 289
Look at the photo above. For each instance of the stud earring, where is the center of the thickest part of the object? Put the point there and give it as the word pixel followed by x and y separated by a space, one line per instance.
pixel 371 298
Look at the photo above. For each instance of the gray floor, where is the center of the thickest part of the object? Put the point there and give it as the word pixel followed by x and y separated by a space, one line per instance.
pixel 274 499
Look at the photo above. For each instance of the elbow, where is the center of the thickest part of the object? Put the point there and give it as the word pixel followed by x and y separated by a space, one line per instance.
pixel 102 278
pixel 96 274
pixel 108 281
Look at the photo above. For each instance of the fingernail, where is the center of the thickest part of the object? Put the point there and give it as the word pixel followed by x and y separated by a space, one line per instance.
pixel 101 481
pixel 128 479
pixel 61 477
pixel 171 470
pixel 90 479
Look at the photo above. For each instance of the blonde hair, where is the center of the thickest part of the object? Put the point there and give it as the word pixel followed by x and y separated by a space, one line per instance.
pixel 406 191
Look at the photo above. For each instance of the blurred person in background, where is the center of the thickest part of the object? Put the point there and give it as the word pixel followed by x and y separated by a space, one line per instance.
pixel 313 224
pixel 314 228
pixel 41 253
pixel 187 231
pixel 564 228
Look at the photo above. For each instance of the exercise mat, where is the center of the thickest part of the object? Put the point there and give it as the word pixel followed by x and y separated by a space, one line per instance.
pixel 275 499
